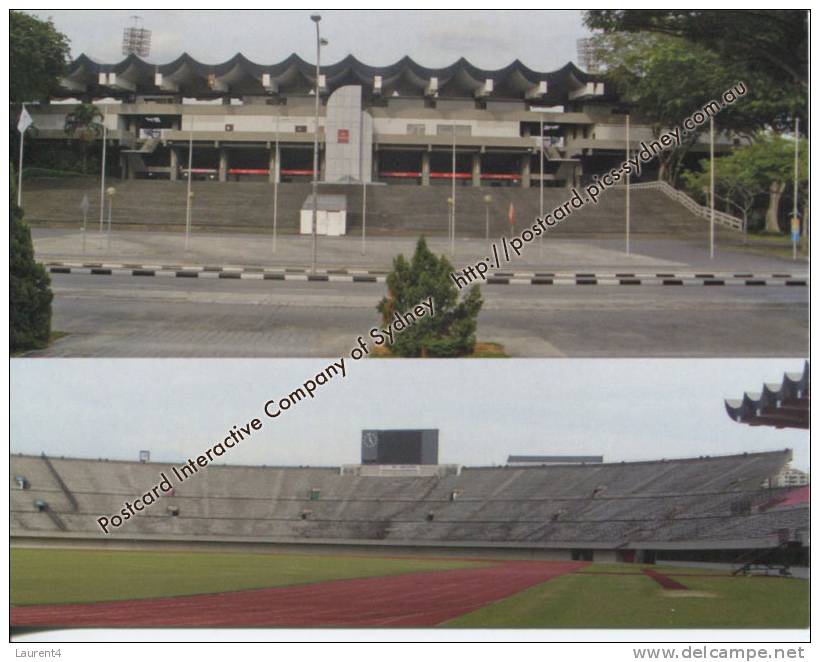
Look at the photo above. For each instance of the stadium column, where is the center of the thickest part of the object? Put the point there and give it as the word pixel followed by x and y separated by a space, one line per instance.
pixel 173 165
pixel 223 164
pixel 525 170
pixel 375 166
pixel 477 169
pixel 425 168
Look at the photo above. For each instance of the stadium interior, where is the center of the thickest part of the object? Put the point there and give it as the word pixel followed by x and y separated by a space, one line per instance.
pixel 708 508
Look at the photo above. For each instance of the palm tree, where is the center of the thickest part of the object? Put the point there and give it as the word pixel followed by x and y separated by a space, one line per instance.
pixel 82 124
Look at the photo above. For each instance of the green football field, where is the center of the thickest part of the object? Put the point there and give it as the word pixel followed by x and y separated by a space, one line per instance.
pixel 592 599
pixel 50 576
pixel 597 596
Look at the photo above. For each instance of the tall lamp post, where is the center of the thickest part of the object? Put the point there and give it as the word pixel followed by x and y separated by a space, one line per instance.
pixel 319 43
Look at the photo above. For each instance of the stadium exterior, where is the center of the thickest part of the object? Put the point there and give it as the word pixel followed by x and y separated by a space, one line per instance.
pixel 396 124
pixel 698 509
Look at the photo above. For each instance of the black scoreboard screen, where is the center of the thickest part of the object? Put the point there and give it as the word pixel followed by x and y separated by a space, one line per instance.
pixel 399 446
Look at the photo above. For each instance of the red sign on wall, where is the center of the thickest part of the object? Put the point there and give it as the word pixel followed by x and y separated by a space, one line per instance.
pixel 343 136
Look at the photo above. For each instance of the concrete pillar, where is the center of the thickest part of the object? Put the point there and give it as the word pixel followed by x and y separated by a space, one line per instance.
pixel 425 168
pixel 323 165
pixel 525 170
pixel 273 167
pixel 223 164
pixel 375 166
pixel 123 167
pixel 476 169
pixel 174 164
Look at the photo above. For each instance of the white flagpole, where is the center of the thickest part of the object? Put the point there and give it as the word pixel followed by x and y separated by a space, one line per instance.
pixel 188 197
pixel 627 185
pixel 541 187
pixel 20 172
pixel 711 188
pixel 453 206
pixel 276 183
pixel 796 174
pixel 102 172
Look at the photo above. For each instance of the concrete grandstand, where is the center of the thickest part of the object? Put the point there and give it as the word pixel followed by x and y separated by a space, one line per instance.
pixel 708 508
pixel 416 130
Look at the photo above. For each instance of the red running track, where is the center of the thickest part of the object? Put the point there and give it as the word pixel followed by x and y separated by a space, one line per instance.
pixel 419 599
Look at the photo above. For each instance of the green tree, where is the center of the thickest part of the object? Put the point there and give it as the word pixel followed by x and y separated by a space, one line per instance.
pixel 764 167
pixel 38 53
pixel 82 124
pixel 770 46
pixel 451 332
pixel 29 285
pixel 663 79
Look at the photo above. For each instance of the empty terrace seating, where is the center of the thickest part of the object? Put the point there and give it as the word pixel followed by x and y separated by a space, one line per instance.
pixel 391 211
pixel 606 504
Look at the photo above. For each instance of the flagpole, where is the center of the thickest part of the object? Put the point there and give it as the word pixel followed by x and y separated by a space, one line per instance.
pixel 102 172
pixel 627 184
pixel 541 187
pixel 20 171
pixel 796 235
pixel 188 196
pixel 711 188
pixel 276 182
pixel 453 207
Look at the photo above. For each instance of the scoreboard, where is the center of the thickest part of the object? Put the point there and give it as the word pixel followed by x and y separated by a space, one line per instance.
pixel 399 446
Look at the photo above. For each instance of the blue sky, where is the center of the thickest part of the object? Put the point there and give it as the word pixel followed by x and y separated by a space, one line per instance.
pixel 486 410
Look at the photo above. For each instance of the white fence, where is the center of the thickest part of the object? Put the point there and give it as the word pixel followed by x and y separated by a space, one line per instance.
pixel 722 218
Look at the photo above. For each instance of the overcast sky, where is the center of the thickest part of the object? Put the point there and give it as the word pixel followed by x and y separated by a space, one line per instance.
pixel 485 410
pixel 542 40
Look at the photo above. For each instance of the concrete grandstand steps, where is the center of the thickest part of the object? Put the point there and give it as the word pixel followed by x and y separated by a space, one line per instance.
pixel 662 500
pixel 391 210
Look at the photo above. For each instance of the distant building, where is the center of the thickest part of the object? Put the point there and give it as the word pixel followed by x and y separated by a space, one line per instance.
pixel 789 477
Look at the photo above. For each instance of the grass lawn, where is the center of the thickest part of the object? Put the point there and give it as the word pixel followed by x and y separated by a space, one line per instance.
pixel 48 576
pixel 637 568
pixel 584 600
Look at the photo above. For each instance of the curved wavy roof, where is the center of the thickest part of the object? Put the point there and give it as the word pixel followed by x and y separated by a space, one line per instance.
pixel 293 75
pixel 784 405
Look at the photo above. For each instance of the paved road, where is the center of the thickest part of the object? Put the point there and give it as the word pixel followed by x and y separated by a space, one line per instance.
pixel 113 316
pixel 554 254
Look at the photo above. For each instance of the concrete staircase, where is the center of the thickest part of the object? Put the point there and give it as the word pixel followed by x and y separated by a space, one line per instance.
pixel 391 210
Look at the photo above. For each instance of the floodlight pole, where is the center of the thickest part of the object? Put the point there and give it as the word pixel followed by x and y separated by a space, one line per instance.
pixel 316 18
pixel 102 171
pixel 711 188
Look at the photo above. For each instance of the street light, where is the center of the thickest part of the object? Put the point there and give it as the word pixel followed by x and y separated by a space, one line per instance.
pixel 319 43
pixel 487 200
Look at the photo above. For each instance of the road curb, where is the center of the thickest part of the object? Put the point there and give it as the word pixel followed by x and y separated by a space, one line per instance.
pixel 379 276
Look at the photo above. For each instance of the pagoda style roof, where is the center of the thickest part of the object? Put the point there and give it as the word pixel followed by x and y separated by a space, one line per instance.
pixel 294 76
pixel 784 405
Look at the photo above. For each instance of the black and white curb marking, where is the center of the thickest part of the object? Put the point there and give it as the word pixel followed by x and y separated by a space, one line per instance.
pixel 376 276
